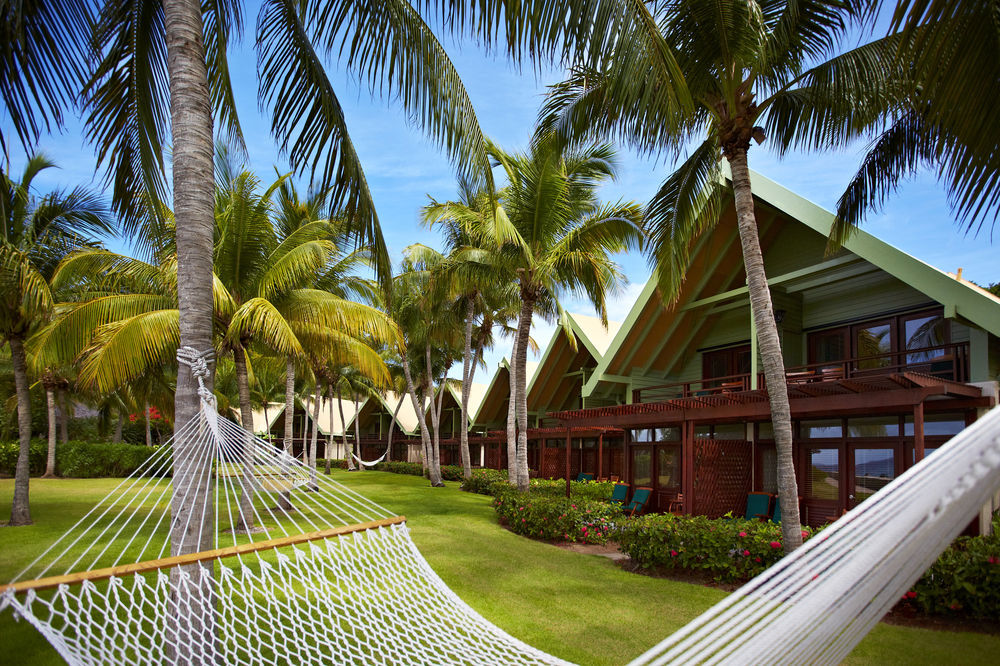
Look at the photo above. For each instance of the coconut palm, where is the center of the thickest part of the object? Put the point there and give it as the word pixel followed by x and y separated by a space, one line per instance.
pixel 481 287
pixel 37 232
pixel 556 237
pixel 744 65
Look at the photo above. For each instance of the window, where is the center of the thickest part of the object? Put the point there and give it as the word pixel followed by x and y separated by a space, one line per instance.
pixel 927 329
pixel 725 362
pixel 878 341
pixel 765 430
pixel 873 470
pixel 829 346
pixel 730 431
pixel 944 425
pixel 823 479
pixel 826 429
pixel 875 426
pixel 642 466
pixel 668 466
pixel 769 470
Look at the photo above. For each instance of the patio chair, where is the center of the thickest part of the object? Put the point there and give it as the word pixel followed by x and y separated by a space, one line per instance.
pixel 640 498
pixel 614 478
pixel 776 516
pixel 676 505
pixel 620 493
pixel 758 506
pixel 584 476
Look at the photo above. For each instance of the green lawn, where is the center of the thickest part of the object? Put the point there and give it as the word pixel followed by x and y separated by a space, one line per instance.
pixel 580 607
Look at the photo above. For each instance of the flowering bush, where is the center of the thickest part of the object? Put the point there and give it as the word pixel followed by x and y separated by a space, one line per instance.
pixel 727 549
pixel 540 516
pixel 485 481
pixel 78 459
pixel 964 580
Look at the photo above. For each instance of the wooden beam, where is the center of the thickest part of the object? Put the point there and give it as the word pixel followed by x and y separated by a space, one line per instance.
pixel 194 558
pixel 569 442
pixel 918 432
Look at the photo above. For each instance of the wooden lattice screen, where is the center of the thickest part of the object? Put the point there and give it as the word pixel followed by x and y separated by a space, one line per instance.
pixel 722 476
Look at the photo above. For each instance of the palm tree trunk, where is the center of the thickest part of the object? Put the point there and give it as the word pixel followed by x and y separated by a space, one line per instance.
pixel 20 512
pixel 770 350
pixel 421 421
pixel 50 404
pixel 64 421
pixel 343 430
pixel 437 426
pixel 116 438
pixel 466 389
pixel 521 359
pixel 149 431
pixel 434 464
pixel 289 405
pixel 392 426
pixel 314 441
pixel 329 440
pixel 191 507
pixel 246 420
pixel 511 414
pixel 267 422
pixel 357 434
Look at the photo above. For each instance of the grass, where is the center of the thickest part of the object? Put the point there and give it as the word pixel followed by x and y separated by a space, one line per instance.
pixel 582 608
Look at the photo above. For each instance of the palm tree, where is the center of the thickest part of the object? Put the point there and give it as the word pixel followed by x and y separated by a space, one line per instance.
pixel 481 285
pixel 555 236
pixel 37 232
pixel 743 65
pixel 946 57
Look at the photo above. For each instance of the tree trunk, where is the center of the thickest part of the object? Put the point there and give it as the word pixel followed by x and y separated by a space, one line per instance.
pixel 392 426
pixel 356 447
pixel 50 463
pixel 20 512
pixel 329 440
pixel 511 414
pixel 521 359
pixel 467 364
pixel 770 350
pixel 64 410
pixel 421 421
pixel 116 438
pixel 267 422
pixel 434 463
pixel 145 417
pixel 289 406
pixel 314 441
pixel 192 513
pixel 343 430
pixel 246 420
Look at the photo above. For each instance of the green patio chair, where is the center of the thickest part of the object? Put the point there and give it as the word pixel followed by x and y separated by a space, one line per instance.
pixel 620 493
pixel 584 476
pixel 758 506
pixel 640 498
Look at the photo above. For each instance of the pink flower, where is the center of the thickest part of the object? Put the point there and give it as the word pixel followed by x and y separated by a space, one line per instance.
pixel 743 534
pixel 521 509
pixel 756 559
pixel 522 520
pixel 993 560
pixel 573 505
pixel 746 553
pixel 673 553
pixel 775 544
pixel 804 534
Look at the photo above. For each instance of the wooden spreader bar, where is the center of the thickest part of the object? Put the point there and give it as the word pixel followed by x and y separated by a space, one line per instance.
pixel 194 558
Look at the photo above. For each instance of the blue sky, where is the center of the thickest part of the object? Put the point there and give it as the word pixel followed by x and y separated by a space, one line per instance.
pixel 403 167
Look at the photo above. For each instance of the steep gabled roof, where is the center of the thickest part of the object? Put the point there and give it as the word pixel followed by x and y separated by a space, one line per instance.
pixel 406 419
pixel 717 266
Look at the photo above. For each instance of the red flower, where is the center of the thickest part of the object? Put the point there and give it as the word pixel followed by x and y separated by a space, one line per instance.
pixel 756 559
pixel 910 595
pixel 673 553
pixel 775 544
pixel 522 520
pixel 746 553
pixel 743 534
pixel 804 534
pixel 993 560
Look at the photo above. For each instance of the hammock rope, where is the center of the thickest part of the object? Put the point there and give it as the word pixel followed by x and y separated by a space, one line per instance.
pixel 304 570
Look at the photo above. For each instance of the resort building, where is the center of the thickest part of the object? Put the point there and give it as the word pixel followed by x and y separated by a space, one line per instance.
pixel 886 357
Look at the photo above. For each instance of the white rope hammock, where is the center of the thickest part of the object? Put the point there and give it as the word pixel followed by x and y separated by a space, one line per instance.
pixel 299 569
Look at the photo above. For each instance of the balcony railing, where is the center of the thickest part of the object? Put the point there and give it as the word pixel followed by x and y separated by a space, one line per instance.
pixel 949 361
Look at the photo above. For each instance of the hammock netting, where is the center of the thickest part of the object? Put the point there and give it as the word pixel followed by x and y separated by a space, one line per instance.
pixel 295 568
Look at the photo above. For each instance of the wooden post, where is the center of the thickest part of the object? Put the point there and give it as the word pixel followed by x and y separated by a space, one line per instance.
pixel 600 455
pixel 918 432
pixel 569 443
pixel 687 465
pixel 626 455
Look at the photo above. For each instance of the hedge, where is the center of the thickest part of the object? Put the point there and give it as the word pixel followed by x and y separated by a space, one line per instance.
pixel 727 549
pixel 78 459
pixel 541 516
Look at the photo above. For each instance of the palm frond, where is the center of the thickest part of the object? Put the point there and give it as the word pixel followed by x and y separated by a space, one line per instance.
pixel 126 350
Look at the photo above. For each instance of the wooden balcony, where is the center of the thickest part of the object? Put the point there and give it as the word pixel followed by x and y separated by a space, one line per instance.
pixel 949 362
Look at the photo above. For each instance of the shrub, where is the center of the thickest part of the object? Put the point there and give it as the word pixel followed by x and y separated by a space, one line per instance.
pixel 78 459
pixel 485 481
pixel 541 516
pixel 727 549
pixel 964 580
pixel 335 463
pixel 599 491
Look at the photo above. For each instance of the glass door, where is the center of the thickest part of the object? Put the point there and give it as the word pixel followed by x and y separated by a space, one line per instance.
pixel 872 467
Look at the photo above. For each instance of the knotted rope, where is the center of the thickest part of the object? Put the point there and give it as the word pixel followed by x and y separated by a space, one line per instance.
pixel 200 364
